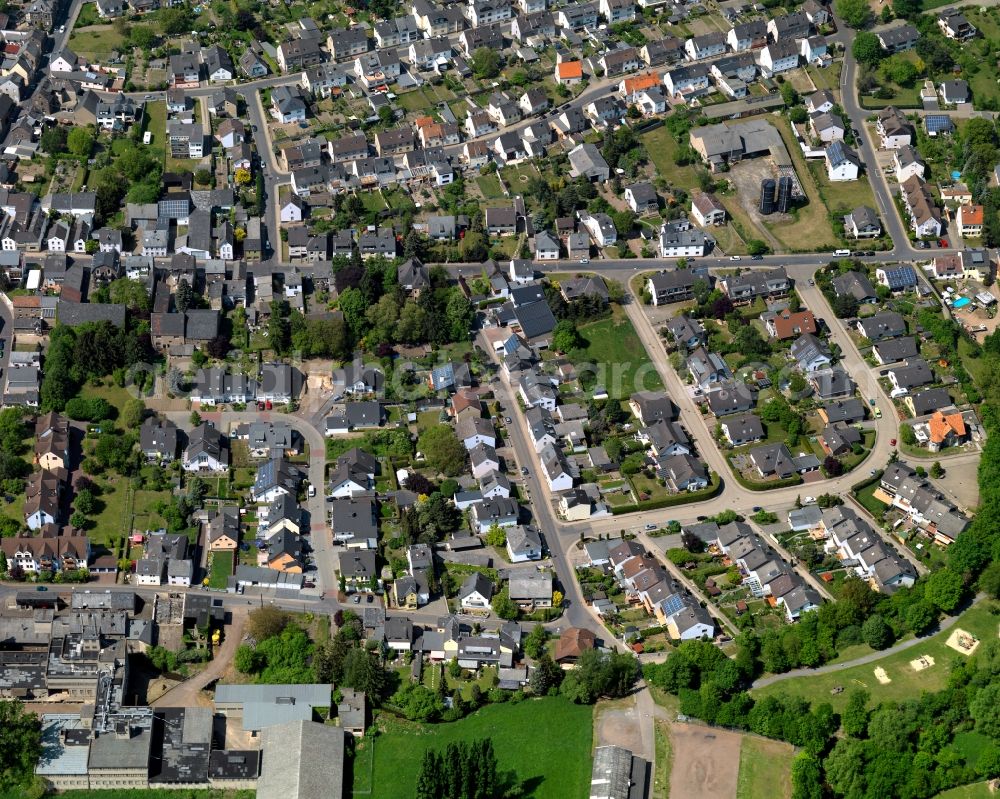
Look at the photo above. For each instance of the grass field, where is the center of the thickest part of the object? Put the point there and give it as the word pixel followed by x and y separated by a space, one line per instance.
pixel 826 77
pixel 841 195
pixel 978 790
pixel 662 148
pixel 222 569
pixel 765 769
pixel 416 100
pixel 621 362
pixel 906 683
pixel 728 239
pixel 489 185
pixel 545 743
pixel 867 499
pixel 664 760
pixel 110 391
pixel 811 224
pixel 96 40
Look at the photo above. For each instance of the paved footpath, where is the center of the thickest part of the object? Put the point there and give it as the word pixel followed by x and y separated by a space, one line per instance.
pixel 861 661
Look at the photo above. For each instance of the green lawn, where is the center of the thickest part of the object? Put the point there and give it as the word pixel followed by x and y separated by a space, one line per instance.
pixel 108 524
pixel 662 148
pixel 422 99
pixel 621 363
pixel 906 683
pixel 978 790
pixel 810 229
pixel 97 40
pixel 545 743
pixel 664 759
pixel 372 201
pixel 489 185
pixel 110 391
pixel 867 499
pixel 842 194
pixel 88 16
pixel 222 569
pixel 765 769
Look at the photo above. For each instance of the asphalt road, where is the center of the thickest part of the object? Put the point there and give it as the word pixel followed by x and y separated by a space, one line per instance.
pixel 577 613
pixel 321 540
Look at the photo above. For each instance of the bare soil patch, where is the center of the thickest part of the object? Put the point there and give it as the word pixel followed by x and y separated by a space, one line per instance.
pixel 706 762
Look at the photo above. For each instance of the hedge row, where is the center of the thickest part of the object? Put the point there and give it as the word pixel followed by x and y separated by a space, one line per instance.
pixel 674 499
pixel 754 486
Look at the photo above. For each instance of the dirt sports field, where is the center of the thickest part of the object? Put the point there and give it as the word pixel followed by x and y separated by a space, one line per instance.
pixel 706 762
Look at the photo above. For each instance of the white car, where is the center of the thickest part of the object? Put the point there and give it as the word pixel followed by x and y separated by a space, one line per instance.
pixel 735 258
pixel 808 500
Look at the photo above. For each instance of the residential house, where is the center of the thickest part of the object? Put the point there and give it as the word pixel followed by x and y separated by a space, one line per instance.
pixel 741 429
pixel 893 128
pixel 207 450
pixel 897 278
pixel 862 223
pixel 708 210
pixel 842 163
pixel 970 221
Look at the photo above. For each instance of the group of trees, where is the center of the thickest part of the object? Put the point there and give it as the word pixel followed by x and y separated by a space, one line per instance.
pixel 430 520
pixel 13 467
pixel 442 450
pixel 464 770
pixel 92 350
pixel 583 309
pixel 20 743
pixel 282 652
pixel 378 314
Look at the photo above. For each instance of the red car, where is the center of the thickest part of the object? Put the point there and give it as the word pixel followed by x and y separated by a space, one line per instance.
pixel 943 243
pixel 892 442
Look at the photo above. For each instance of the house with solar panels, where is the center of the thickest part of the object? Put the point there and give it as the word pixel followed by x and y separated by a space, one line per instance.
pixel 938 125
pixel 898 278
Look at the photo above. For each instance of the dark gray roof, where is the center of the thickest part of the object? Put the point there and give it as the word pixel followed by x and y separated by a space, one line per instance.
pixel 78 313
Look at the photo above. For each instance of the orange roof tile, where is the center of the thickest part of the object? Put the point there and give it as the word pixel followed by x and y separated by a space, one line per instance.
pixel 788 324
pixel 570 69
pixel 939 426
pixel 971 214
pixel 641 82
pixel 422 121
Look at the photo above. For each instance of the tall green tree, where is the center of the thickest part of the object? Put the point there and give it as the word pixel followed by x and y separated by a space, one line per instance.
pixel 856 13
pixel 20 743
pixel 442 450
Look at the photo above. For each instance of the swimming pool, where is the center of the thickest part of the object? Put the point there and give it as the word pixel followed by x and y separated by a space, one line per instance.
pixel 961 302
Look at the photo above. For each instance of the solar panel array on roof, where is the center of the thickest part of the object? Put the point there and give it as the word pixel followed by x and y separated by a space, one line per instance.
pixel 938 123
pixel 674 604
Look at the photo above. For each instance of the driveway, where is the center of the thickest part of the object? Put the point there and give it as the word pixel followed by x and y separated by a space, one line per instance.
pixel 189 693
